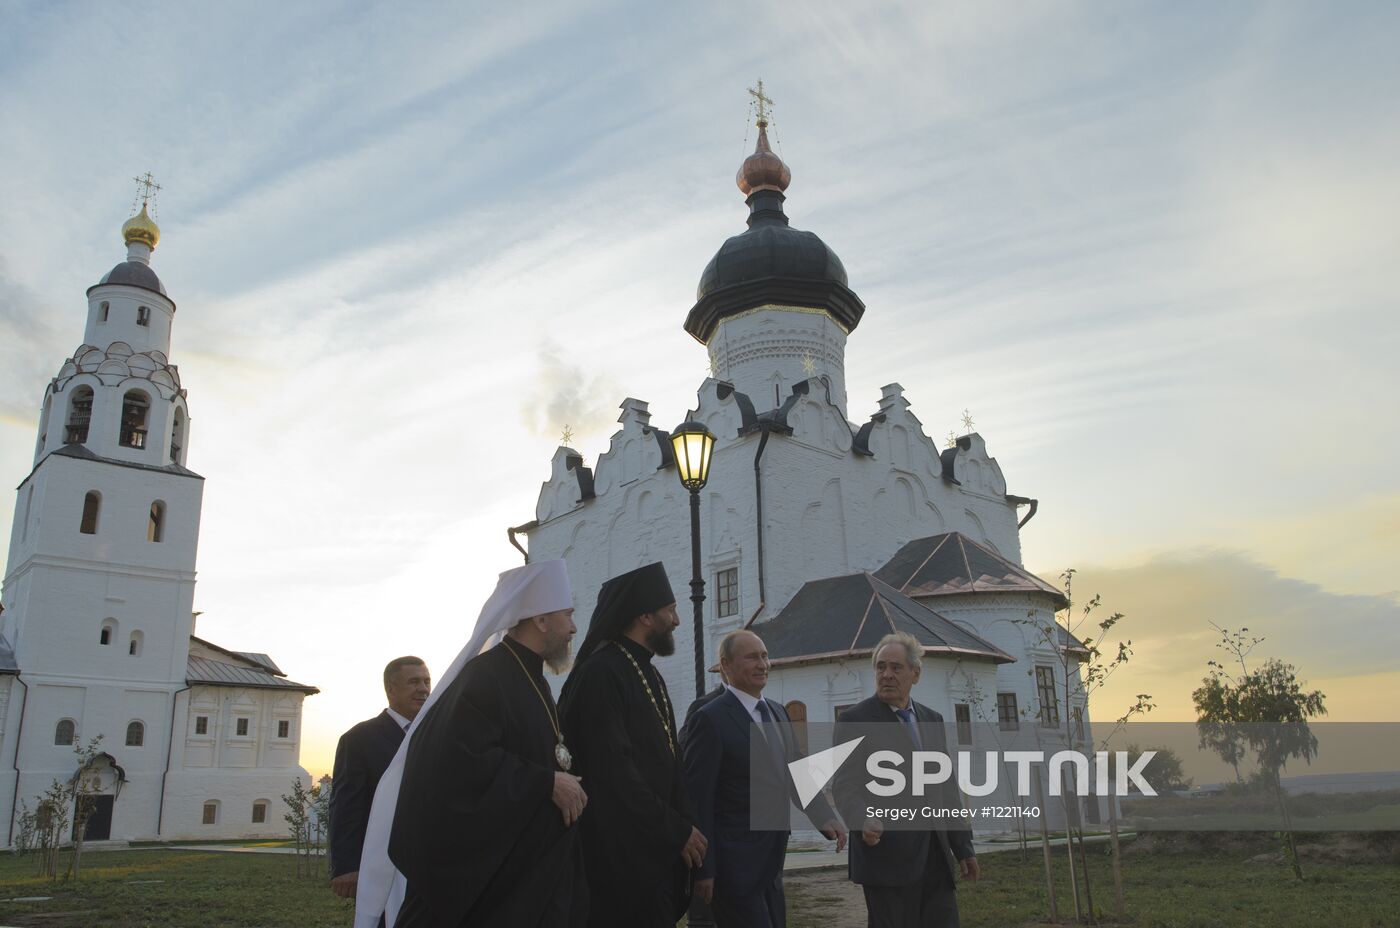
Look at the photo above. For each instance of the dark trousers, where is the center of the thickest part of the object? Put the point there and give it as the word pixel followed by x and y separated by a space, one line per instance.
pixel 765 907
pixel 930 903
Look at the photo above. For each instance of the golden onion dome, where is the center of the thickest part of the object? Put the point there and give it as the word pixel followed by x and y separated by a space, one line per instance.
pixel 141 228
pixel 763 170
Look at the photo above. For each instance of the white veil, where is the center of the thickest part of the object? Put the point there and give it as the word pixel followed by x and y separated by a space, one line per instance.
pixel 520 593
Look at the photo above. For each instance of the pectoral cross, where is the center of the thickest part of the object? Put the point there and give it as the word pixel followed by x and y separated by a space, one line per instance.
pixel 762 101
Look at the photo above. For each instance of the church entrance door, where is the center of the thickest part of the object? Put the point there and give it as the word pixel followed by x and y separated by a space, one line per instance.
pixel 99 822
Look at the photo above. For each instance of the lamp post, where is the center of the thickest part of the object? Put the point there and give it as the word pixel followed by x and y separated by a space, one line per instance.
pixel 692 445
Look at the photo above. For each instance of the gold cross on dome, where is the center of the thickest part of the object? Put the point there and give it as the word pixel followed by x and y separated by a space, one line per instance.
pixel 763 102
pixel 967 420
pixel 146 190
pixel 567 437
pixel 809 367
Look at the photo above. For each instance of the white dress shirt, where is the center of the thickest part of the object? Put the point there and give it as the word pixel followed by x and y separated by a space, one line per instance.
pixel 402 722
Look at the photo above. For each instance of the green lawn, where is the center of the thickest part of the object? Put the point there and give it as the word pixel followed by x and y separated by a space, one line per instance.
pixel 1163 890
pixel 1168 889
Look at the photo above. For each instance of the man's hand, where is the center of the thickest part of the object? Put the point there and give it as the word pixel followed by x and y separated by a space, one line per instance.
pixel 569 796
pixel 835 831
pixel 344 885
pixel 694 851
pixel 872 831
pixel 971 869
pixel 705 889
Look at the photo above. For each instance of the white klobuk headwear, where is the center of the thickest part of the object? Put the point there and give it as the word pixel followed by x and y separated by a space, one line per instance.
pixel 520 593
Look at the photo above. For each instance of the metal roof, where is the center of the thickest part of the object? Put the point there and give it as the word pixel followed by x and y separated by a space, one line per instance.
pixel 218 673
pixel 952 564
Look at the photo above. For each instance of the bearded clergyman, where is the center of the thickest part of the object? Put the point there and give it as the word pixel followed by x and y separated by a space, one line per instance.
pixel 640 843
pixel 485 824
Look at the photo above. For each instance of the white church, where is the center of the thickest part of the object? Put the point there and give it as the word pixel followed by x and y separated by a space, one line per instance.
pixel 97 635
pixel 820 533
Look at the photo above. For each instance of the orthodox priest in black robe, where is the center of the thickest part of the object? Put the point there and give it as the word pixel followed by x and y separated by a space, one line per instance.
pixel 485 827
pixel 640 843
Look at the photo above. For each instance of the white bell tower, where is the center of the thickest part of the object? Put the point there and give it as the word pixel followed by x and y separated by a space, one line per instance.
pixel 99 587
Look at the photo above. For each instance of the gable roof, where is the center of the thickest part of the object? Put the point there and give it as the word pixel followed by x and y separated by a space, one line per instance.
pixel 839 617
pixel 243 668
pixel 952 564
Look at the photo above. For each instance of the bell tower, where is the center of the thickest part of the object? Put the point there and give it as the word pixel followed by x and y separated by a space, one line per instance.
pixel 99 586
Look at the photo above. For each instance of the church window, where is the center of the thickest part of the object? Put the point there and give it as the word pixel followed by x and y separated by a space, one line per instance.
pixel 963 714
pixel 135 406
pixel 727 592
pixel 135 735
pixel 201 724
pixel 1079 722
pixel 143 315
pixel 1045 690
pixel 133 647
pixel 284 728
pixel 177 436
pixel 242 727
pixel 260 812
pixel 211 813
pixel 75 432
pixel 108 633
pixel 92 505
pixel 103 315
pixel 155 526
pixel 1008 718
pixel 64 732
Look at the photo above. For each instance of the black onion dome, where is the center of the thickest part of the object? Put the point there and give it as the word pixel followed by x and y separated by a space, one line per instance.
pixel 771 263
pixel 134 274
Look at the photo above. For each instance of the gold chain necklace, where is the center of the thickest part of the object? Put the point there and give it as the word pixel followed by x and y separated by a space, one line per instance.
pixel 561 753
pixel 665 726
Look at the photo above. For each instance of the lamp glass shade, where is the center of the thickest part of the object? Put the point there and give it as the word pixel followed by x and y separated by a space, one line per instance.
pixel 693 445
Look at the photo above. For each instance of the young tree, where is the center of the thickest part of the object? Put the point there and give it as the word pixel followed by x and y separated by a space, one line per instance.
pixel 1266 710
pixel 298 819
pixel 1164 772
pixel 83 789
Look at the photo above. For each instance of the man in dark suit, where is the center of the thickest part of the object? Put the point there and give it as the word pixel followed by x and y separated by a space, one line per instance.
pixel 361 757
pixel 908 875
pixel 742 876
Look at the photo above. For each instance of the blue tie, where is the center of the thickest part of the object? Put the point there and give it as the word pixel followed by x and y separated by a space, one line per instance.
pixel 772 735
pixel 907 717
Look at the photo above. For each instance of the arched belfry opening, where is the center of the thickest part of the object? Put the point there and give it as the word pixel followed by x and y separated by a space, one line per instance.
pixel 75 431
pixel 136 408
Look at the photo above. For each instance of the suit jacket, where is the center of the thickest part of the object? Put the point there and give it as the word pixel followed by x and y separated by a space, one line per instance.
pixel 718 775
pixel 361 757
pixel 902 855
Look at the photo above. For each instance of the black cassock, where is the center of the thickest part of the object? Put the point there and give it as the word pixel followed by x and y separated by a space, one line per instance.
pixel 476 832
pixel 638 817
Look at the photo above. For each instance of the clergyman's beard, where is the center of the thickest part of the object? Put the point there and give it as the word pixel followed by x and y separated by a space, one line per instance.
pixel 661 642
pixel 561 657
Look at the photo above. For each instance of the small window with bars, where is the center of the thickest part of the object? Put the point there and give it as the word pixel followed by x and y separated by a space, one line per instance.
pixel 1008 716
pixel 284 728
pixel 727 592
pixel 241 727
pixel 963 714
pixel 1045 692
pixel 201 724
pixel 211 813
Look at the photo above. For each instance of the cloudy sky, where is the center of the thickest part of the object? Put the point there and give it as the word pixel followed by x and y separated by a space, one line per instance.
pixel 1152 248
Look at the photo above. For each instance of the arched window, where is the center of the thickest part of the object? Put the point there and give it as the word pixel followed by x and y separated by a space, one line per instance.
pixel 135 735
pixel 177 436
pixel 92 505
pixel 102 315
pixel 155 527
pixel 211 812
pixel 109 631
pixel 134 646
pixel 260 811
pixel 75 432
pixel 135 406
pixel 64 732
pixel 143 315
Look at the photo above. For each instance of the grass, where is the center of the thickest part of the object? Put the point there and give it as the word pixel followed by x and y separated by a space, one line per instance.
pixel 1182 884
pixel 1178 889
pixel 199 889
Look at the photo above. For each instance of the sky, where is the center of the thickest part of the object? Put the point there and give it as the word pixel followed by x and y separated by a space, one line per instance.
pixel 1151 248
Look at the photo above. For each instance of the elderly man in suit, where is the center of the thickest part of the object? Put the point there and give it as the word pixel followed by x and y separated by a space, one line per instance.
pixel 361 757
pixel 742 875
pixel 909 876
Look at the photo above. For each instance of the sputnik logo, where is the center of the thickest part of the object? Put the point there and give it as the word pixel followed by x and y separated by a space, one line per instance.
pixel 811 774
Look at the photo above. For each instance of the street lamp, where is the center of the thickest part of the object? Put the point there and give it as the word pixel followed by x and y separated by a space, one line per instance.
pixel 693 445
